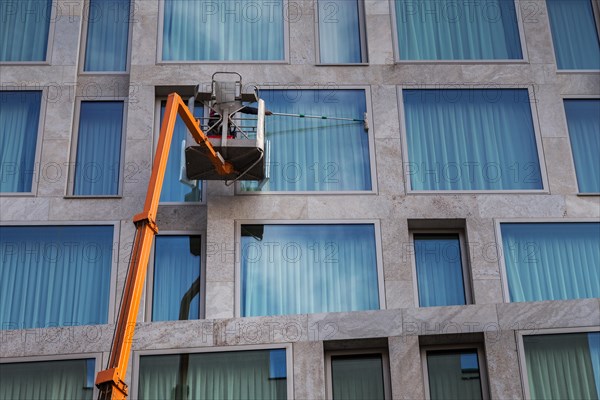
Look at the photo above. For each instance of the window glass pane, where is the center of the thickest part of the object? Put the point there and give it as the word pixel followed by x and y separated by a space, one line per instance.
pixel 308 154
pixel 19 121
pixel 457 30
pixel 479 139
pixel 107 35
pixel 454 375
pixel 225 375
pixel 172 189
pixel 176 293
pixel 298 269
pixel 54 275
pixel 583 118
pixel 98 163
pixel 24 29
pixel 439 270
pixel 339 31
pixel 197 30
pixel 41 380
pixel 574 34
pixel 552 261
pixel 357 377
pixel 563 366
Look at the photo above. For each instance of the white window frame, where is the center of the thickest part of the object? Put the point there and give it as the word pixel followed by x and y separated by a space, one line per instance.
pixel 83 44
pixel 465 264
pixel 98 362
pixel 49 46
pixel 520 21
pixel 35 173
pixel 238 251
pixel 572 156
pixel 371 132
pixel 387 383
pixel 286 42
pixel 500 246
pixel 156 134
pixel 147 304
pixel 596 11
pixel 481 360
pixel 289 362
pixel 75 140
pixel 111 318
pixel 538 332
pixel 536 131
pixel 362 31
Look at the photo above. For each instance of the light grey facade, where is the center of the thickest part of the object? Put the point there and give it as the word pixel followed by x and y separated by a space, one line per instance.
pixel 405 328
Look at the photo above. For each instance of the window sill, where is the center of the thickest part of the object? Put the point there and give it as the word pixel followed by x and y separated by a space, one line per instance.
pixel 577 71
pixel 92 197
pixel 460 62
pixel 305 193
pixel 362 64
pixel 17 194
pixel 475 192
pixel 24 63
pixel 591 194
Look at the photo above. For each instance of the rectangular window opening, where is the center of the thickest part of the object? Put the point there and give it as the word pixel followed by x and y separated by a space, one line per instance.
pixel 358 375
pixel 471 140
pixel 176 278
pixel 338 264
pixel 236 375
pixel 19 127
pixel 99 148
pixel 441 268
pixel 551 260
pixel 24 30
pixel 342 32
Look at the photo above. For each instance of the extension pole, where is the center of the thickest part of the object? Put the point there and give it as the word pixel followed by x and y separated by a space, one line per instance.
pixel 318 117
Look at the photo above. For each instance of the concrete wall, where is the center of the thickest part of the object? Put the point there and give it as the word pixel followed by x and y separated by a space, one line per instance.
pixel 399 320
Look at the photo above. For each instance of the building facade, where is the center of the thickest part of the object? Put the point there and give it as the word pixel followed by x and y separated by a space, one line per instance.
pixel 444 245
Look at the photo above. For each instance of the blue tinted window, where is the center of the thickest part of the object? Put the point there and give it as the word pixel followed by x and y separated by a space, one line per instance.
pixel 98 163
pixel 24 27
pixel 552 261
pixel 480 139
pixel 574 34
pixel 107 35
pixel 19 122
pixel 439 270
pixel 314 154
pixel 583 118
pixel 298 269
pixel 176 293
pixel 340 31
pixel 173 190
pixel 208 30
pixel 54 275
pixel 457 30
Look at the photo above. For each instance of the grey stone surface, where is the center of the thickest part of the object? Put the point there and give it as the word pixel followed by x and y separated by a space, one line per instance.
pixel 502 364
pixel 309 374
pixel 449 320
pixel 548 314
pixel 350 325
pixel 405 368
pixel 262 330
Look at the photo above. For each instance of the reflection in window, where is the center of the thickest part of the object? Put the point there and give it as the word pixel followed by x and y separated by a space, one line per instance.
pixel 41 380
pixel 454 375
pixel 563 366
pixel 176 292
pixel 107 35
pixel 357 377
pixel 234 375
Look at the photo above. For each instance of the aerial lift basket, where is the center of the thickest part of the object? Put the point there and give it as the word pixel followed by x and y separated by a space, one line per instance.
pixel 240 140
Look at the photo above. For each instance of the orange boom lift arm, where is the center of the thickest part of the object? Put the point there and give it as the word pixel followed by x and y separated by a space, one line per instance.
pixel 111 382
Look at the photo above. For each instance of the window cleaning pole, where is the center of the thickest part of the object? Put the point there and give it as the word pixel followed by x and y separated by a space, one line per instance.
pixel 364 120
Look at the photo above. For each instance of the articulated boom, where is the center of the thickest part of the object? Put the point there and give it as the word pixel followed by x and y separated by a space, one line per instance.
pixel 111 381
